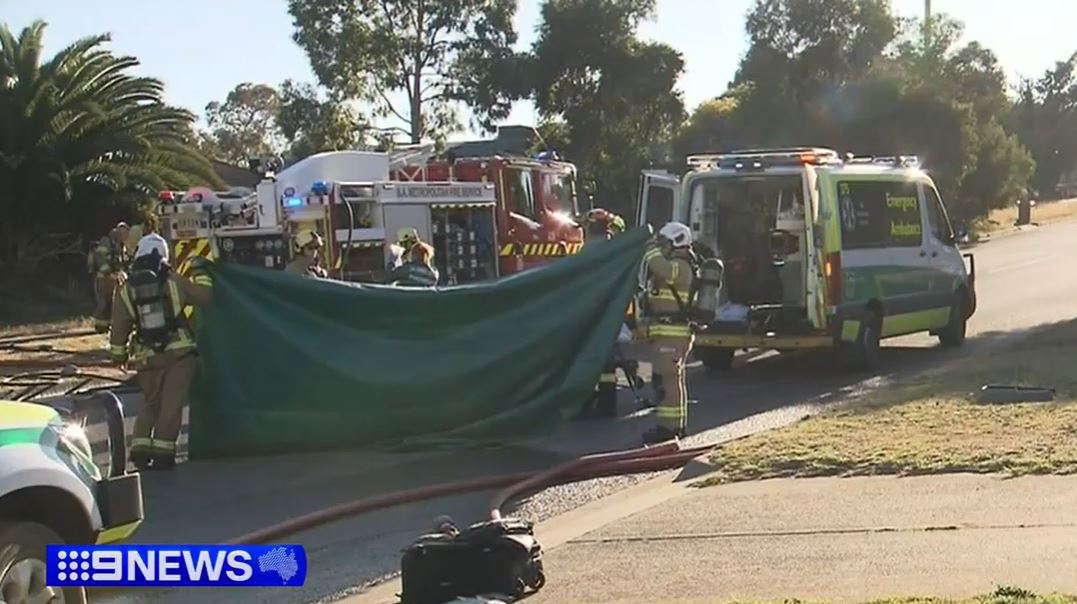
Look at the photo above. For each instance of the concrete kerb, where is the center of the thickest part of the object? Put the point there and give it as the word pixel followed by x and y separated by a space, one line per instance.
pixel 562 529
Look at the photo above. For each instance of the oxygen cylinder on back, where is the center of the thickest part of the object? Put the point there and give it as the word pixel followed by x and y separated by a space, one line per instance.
pixel 152 308
pixel 710 283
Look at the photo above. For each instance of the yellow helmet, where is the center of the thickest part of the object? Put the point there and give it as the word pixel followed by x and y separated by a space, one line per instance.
pixel 407 236
pixel 305 238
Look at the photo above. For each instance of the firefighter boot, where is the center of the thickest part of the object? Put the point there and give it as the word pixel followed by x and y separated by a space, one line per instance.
pixel 164 461
pixel 661 434
pixel 606 398
pixel 141 459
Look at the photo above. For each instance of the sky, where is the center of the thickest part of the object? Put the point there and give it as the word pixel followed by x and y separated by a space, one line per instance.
pixel 202 48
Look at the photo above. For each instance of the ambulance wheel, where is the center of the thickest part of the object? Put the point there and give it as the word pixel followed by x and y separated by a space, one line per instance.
pixel 718 359
pixel 953 335
pixel 863 355
pixel 22 565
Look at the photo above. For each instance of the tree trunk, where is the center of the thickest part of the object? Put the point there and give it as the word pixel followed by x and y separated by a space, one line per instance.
pixel 416 97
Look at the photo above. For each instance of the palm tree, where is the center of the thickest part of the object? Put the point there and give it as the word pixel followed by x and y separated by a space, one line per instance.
pixel 80 128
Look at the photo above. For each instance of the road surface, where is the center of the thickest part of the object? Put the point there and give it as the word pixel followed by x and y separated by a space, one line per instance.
pixel 1024 280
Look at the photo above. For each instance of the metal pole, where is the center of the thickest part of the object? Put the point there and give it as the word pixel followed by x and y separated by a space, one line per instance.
pixel 927 22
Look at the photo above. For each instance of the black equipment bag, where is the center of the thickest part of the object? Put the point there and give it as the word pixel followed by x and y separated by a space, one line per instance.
pixel 488 558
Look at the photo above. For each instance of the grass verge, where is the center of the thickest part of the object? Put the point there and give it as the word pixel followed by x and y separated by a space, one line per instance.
pixel 932 424
pixel 1002 595
pixel 1002 220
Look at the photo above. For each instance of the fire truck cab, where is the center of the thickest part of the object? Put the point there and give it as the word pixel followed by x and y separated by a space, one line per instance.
pixel 535 207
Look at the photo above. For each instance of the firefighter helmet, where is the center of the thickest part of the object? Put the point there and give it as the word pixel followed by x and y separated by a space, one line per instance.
pixel 306 238
pixel 150 243
pixel 406 237
pixel 678 234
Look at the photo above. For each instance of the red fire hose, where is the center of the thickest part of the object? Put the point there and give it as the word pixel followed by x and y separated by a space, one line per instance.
pixel 648 459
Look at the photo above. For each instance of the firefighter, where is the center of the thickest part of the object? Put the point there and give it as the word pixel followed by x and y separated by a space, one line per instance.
pixel 670 271
pixel 406 239
pixel 602 225
pixel 150 333
pixel 107 263
pixel 307 245
pixel 418 269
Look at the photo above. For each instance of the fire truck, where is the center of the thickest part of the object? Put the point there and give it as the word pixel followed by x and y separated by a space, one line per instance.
pixel 535 200
pixel 256 227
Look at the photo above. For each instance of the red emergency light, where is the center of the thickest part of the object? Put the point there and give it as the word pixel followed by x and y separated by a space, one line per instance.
pixel 166 196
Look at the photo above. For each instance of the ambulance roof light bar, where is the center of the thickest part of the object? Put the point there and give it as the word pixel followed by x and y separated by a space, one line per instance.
pixel 760 158
pixel 897 161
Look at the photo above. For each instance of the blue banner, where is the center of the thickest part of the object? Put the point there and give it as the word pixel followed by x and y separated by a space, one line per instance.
pixel 175 566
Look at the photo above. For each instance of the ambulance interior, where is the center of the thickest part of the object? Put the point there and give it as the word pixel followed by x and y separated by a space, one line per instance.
pixel 755 225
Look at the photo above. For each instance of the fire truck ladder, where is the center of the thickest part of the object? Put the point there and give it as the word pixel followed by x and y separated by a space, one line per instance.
pixel 409 156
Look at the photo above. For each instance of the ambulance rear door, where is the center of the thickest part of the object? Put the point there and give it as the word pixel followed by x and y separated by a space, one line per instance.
pixel 659 198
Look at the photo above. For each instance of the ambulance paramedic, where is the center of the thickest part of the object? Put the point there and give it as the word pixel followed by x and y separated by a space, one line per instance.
pixel 151 334
pixel 670 266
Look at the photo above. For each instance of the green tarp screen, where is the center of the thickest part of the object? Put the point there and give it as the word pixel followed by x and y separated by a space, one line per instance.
pixel 289 364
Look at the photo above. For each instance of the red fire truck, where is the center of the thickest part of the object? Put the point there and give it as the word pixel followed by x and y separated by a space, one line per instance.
pixel 535 207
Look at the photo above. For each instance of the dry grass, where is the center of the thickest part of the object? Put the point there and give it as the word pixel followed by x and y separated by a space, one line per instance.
pixel 1002 595
pixel 1002 220
pixel 932 425
pixel 83 351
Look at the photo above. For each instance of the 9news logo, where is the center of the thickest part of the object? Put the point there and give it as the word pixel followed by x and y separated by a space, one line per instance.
pixel 175 566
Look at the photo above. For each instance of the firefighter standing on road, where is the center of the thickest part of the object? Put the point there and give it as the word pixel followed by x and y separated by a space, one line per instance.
pixel 307 245
pixel 107 262
pixel 602 225
pixel 670 269
pixel 149 313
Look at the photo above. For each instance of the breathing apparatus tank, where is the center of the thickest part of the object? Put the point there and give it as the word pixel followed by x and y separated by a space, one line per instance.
pixel 705 305
pixel 149 297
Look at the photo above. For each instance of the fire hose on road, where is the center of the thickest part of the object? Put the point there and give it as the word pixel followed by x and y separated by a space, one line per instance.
pixel 665 456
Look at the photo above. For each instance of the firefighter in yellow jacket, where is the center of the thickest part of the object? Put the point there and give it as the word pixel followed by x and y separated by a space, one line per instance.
pixel 602 225
pixel 670 271
pixel 151 333
pixel 107 262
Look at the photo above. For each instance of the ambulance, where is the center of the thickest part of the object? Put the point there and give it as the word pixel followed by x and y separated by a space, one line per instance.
pixel 819 250
pixel 52 493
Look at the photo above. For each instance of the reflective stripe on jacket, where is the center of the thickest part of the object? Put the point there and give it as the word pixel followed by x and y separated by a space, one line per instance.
pixel 663 276
pixel 125 325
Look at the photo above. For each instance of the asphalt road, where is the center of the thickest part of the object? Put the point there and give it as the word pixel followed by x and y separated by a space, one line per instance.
pixel 1024 281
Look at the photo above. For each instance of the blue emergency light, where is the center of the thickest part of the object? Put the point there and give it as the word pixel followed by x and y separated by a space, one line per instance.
pixel 293 202
pixel 320 187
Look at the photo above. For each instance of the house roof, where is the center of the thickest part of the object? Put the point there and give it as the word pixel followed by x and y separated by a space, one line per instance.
pixel 510 140
pixel 235 176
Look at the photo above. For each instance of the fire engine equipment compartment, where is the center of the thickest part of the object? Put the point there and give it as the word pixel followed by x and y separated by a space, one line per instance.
pixel 457 218
pixel 755 225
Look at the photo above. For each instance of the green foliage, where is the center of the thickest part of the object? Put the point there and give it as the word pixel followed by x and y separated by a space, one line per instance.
pixel 849 75
pixel 435 52
pixel 311 123
pixel 244 125
pixel 82 140
pixel 607 98
pixel 1045 118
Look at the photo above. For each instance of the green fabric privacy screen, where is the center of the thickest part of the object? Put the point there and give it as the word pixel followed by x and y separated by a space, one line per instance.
pixel 289 364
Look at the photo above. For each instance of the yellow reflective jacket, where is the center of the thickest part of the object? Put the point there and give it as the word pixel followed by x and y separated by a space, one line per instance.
pixel 664 275
pixel 123 340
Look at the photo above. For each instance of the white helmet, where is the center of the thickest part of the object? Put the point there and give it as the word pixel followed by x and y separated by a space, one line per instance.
pixel 678 234
pixel 152 242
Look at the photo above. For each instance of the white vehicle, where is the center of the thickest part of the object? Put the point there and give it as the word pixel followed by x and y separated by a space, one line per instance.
pixel 819 250
pixel 52 493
